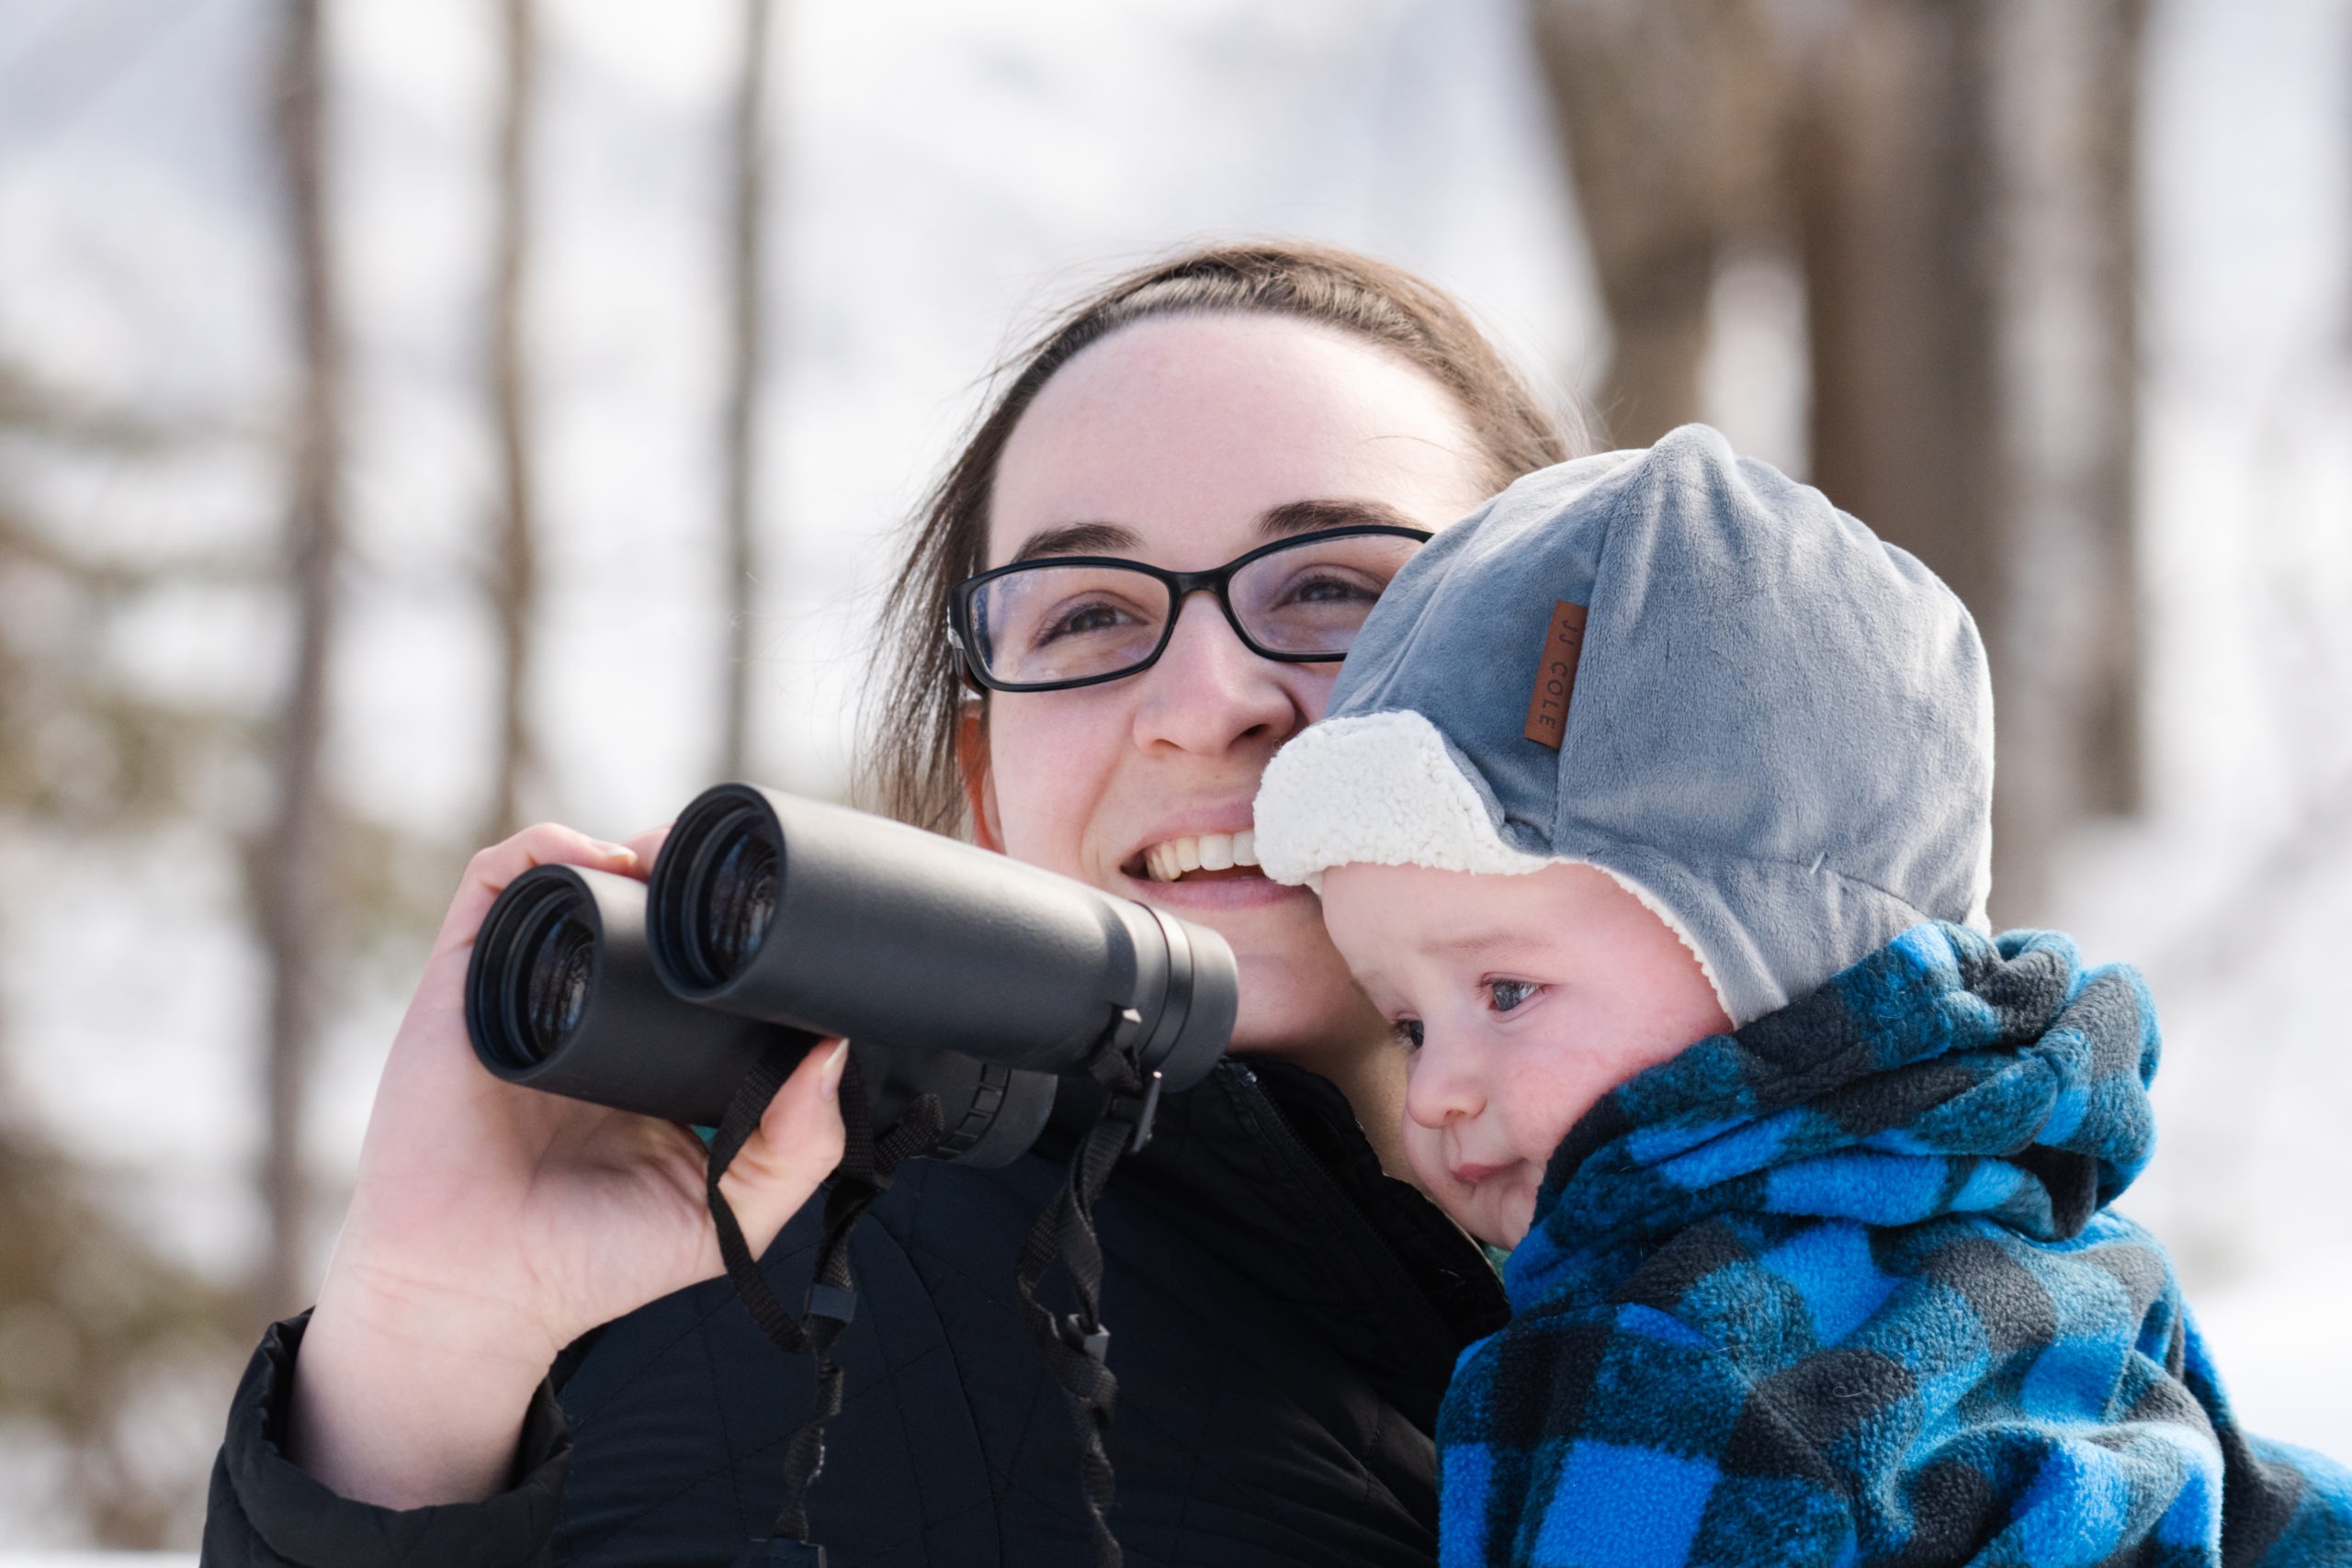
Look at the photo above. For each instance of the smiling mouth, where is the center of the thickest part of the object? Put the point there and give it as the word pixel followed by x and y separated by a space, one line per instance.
pixel 1208 857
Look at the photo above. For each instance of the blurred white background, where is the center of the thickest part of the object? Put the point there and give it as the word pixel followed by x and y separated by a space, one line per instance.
pixel 942 174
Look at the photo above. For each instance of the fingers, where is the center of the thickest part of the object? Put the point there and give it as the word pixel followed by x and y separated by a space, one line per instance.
pixel 489 871
pixel 646 846
pixel 797 1146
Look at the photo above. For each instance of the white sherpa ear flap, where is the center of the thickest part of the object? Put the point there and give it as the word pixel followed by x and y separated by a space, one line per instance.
pixel 1386 789
pixel 1383 789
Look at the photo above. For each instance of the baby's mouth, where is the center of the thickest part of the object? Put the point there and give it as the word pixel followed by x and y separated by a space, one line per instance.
pixel 1205 857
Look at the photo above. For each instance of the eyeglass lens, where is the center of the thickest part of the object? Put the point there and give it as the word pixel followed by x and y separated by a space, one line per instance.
pixel 1050 622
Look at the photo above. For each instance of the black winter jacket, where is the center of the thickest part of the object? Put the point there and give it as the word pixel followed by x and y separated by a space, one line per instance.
pixel 1285 1321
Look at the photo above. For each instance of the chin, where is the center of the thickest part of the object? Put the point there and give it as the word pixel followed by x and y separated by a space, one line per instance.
pixel 1300 1010
pixel 1297 999
pixel 1517 1216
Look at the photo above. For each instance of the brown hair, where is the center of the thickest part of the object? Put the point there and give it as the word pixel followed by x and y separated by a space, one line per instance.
pixel 910 764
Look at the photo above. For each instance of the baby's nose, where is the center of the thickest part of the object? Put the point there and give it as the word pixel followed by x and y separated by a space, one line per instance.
pixel 1442 1087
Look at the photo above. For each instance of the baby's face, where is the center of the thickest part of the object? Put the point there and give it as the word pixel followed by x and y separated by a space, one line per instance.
pixel 1523 1000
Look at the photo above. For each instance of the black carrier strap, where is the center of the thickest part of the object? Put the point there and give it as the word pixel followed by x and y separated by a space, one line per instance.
pixel 863 1176
pixel 1075 1346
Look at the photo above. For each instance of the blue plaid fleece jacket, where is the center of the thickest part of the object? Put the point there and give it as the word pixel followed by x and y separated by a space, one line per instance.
pixel 1844 1288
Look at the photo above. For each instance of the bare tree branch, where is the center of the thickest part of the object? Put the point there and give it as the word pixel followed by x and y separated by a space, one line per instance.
pixel 295 901
pixel 1671 113
pixel 514 576
pixel 746 259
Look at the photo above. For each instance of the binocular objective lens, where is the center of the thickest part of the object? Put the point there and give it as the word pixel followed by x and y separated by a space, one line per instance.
pixel 560 975
pixel 739 901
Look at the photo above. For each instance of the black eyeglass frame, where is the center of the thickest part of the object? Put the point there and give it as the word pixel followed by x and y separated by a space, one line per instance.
pixel 1180 586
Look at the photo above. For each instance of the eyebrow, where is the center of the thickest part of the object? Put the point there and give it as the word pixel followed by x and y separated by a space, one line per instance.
pixel 1471 945
pixel 1291 518
pixel 1310 516
pixel 1474 944
pixel 1077 539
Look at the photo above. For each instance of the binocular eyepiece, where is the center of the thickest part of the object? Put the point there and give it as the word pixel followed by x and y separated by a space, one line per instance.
pixel 773 919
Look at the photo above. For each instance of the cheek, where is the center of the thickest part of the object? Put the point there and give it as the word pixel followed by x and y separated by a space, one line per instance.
pixel 1545 1094
pixel 1048 761
pixel 1425 1153
pixel 1310 686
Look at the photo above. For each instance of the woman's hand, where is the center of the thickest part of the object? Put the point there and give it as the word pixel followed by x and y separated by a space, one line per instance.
pixel 491 1225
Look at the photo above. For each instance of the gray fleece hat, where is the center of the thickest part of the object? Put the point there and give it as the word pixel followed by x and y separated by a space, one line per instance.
pixel 1687 669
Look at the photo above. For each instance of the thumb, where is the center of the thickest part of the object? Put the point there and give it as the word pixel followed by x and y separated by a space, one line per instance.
pixel 797 1146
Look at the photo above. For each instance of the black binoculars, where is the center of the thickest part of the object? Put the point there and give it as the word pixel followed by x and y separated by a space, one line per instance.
pixel 773 919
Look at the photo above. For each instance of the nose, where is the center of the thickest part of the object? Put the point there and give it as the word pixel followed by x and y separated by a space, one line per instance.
pixel 1208 694
pixel 1442 1083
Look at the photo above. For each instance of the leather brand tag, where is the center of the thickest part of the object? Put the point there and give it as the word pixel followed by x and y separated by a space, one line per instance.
pixel 1555 677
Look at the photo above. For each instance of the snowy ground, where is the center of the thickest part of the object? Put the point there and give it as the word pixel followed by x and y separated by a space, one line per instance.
pixel 949 170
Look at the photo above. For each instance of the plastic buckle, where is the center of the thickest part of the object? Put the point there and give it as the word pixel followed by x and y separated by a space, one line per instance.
pixel 1140 1110
pixel 781 1551
pixel 832 1300
pixel 1094 1345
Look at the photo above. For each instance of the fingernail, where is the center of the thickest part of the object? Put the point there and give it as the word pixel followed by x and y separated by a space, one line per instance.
pixel 617 852
pixel 829 1076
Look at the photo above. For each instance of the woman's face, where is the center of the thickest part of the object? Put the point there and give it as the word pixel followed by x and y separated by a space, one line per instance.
pixel 1180 442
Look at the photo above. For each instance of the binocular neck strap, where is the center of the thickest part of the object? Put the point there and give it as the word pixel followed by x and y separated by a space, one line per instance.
pixel 863 1176
pixel 1076 1345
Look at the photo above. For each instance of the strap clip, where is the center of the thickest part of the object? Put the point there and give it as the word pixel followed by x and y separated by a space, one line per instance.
pixel 1139 1110
pixel 832 1300
pixel 1094 1344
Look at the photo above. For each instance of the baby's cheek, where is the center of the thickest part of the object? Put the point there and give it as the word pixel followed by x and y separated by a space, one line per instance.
pixel 1539 1108
pixel 1427 1160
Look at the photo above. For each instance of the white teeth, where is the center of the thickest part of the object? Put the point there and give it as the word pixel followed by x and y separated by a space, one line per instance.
pixel 1169 860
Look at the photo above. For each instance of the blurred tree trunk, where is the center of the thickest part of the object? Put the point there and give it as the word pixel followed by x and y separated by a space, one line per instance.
pixel 2114 774
pixel 746 260
pixel 1960 177
pixel 1670 112
pixel 1898 217
pixel 297 861
pixel 515 574
pixel 1967 193
pixel 2063 632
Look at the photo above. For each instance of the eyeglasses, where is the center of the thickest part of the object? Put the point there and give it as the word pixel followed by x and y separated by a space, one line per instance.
pixel 1042 625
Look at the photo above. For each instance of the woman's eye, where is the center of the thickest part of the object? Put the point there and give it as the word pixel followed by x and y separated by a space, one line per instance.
pixel 1328 588
pixel 1078 622
pixel 1408 1030
pixel 1509 994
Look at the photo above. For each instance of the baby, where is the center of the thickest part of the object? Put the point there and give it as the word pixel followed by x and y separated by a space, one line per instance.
pixel 1654 805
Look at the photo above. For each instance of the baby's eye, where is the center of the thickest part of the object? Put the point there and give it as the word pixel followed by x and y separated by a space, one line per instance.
pixel 1509 994
pixel 1408 1030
